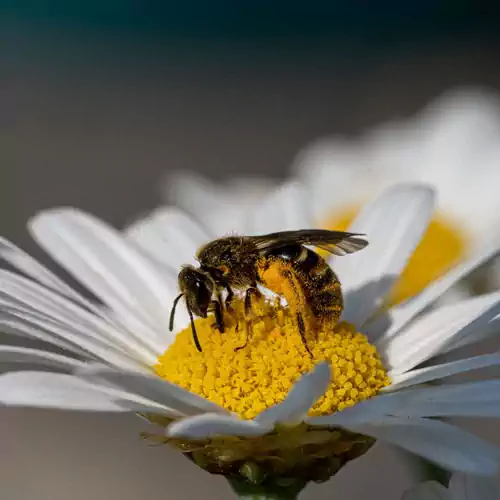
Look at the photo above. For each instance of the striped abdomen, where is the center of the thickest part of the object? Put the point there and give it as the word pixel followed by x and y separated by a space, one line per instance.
pixel 303 268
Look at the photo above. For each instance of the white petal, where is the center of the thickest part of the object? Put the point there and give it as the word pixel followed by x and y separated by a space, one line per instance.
pixel 155 389
pixel 14 354
pixel 335 173
pixel 66 392
pixel 23 329
pixel 36 326
pixel 365 412
pixel 170 236
pixel 286 209
pixel 429 335
pixel 113 269
pixel 441 443
pixel 428 491
pixel 401 315
pixel 481 333
pixel 28 265
pixel 441 371
pixel 394 225
pixel 31 267
pixel 468 487
pixel 212 425
pixel 474 399
pixel 193 192
pixel 306 391
pixel 477 399
pixel 221 207
pixel 36 299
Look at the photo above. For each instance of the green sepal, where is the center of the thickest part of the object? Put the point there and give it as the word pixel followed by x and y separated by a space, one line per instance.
pixel 284 489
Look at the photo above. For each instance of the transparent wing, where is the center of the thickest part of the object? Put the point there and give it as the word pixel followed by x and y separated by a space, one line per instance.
pixel 334 242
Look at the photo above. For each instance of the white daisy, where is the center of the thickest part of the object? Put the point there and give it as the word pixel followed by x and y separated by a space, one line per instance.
pixel 453 145
pixel 248 413
pixel 219 206
pixel 461 487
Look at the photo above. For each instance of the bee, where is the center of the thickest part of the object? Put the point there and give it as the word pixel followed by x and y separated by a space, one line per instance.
pixel 280 262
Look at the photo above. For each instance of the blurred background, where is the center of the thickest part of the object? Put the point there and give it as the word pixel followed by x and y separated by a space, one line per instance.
pixel 100 99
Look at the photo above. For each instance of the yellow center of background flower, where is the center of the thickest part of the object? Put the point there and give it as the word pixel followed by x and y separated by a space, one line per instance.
pixel 442 246
pixel 259 375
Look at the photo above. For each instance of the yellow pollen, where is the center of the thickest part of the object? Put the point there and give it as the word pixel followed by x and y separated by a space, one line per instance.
pixel 443 244
pixel 260 374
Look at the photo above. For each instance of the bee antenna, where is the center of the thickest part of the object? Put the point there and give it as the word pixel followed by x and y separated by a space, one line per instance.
pixel 172 312
pixel 193 330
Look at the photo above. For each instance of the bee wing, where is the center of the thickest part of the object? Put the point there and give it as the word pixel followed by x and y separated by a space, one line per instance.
pixel 335 242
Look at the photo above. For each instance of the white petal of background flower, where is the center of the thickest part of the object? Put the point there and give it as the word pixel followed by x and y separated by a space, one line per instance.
pixel 220 206
pixel 394 224
pixel 452 145
pixel 287 208
pixel 402 314
pixel 457 135
pixel 171 236
pixel 337 175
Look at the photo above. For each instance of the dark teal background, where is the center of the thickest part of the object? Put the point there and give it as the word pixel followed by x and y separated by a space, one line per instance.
pixel 232 20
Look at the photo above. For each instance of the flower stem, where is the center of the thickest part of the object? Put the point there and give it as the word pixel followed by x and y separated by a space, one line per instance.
pixel 248 491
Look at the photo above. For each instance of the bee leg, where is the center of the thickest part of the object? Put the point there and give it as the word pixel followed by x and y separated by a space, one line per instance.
pixel 302 331
pixel 253 290
pixel 229 298
pixel 300 320
pixel 219 319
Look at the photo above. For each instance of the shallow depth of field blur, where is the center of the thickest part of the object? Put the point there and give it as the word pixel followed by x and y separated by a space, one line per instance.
pixel 99 104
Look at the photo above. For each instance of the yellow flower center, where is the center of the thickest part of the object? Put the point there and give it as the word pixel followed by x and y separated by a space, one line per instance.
pixel 443 244
pixel 247 372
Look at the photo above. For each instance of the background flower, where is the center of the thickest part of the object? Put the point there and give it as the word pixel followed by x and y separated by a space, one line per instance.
pixel 452 145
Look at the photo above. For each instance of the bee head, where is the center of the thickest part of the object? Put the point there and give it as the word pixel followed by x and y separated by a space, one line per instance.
pixel 197 287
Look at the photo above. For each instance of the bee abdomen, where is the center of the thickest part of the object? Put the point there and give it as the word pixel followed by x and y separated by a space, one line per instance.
pixel 327 303
pixel 318 281
pixel 321 283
